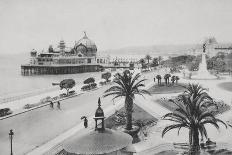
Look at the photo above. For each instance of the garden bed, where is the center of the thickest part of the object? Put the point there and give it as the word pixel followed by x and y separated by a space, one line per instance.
pixel 140 118
pixel 226 86
pixel 221 106
pixel 166 89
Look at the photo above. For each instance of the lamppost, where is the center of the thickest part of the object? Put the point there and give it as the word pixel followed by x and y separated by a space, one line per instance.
pixel 11 134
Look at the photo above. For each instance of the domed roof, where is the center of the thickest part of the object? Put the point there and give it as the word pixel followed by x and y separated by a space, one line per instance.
pixel 86 42
pixel 99 112
pixel 95 142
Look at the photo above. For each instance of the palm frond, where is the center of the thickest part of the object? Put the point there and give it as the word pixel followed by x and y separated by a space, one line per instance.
pixel 168 128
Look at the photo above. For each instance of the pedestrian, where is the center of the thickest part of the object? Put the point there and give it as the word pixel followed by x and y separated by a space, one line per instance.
pixel 51 104
pixel 154 79
pixel 85 122
pixel 58 104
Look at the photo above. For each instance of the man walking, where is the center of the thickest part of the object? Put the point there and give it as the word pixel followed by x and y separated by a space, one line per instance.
pixel 51 104
pixel 58 105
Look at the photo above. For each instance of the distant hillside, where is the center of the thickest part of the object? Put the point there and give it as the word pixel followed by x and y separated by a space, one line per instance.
pixel 157 50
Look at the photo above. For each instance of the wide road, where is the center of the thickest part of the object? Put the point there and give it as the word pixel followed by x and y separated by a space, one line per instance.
pixel 35 128
pixel 32 129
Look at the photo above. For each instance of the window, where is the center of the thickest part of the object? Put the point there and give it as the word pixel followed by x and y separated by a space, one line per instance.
pixel 89 60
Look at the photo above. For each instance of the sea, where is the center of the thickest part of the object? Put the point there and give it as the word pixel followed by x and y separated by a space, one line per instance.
pixel 14 84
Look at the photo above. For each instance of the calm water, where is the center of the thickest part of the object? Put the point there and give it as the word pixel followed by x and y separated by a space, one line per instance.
pixel 14 84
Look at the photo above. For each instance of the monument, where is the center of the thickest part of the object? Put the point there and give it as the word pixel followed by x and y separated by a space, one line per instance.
pixel 203 73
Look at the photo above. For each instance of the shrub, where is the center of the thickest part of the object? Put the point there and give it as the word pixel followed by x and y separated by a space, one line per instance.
pixel 89 86
pixel 72 92
pixel 5 111
pixel 102 83
pixel 85 87
pixel 93 85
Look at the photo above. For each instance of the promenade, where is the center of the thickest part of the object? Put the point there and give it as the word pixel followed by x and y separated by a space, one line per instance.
pixel 43 130
pixel 35 128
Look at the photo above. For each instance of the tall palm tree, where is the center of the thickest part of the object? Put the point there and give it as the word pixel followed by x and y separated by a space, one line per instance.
pixel 160 59
pixel 142 62
pixel 166 79
pixel 148 57
pixel 168 76
pixel 158 77
pixel 128 85
pixel 193 114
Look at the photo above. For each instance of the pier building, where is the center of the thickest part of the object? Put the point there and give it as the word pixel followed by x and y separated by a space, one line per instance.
pixel 82 57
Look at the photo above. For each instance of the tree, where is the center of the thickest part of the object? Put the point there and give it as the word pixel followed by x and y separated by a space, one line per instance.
pixel 177 79
pixel 158 77
pixel 148 57
pixel 155 62
pixel 166 77
pixel 160 59
pixel 106 76
pixel 89 80
pixel 127 86
pixel 195 90
pixel 142 62
pixel 67 84
pixel 193 114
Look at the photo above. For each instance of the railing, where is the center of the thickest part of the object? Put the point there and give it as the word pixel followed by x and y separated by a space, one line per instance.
pixel 22 96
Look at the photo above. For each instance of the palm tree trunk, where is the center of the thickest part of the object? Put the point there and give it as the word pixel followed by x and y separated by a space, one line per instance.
pixel 129 109
pixel 190 137
pixel 195 140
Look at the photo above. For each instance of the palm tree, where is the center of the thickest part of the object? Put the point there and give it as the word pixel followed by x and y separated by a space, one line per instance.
pixel 166 77
pixel 160 59
pixel 173 79
pixel 127 86
pixel 155 62
pixel 158 77
pixel 148 57
pixel 196 90
pixel 193 114
pixel 142 62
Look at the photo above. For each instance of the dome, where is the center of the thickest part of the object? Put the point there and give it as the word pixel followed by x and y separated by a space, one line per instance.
pixel 95 142
pixel 99 112
pixel 89 44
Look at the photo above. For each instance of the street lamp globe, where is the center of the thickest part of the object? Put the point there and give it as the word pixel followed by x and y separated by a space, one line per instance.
pixel 11 134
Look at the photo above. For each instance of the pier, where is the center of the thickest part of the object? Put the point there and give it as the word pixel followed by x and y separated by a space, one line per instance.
pixel 58 69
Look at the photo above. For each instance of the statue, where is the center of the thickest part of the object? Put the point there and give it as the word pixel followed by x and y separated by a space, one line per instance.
pixel 204 47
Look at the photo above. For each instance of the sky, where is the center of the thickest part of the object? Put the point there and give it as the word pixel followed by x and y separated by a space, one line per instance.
pixel 111 24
